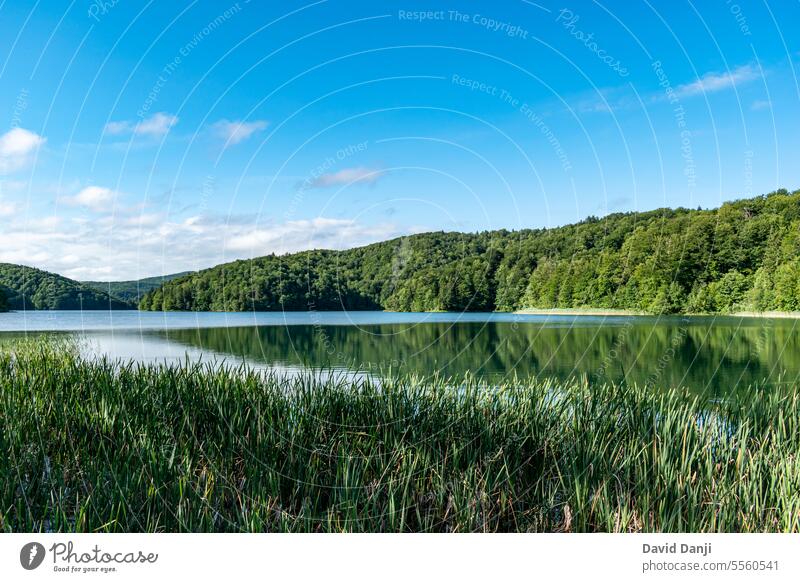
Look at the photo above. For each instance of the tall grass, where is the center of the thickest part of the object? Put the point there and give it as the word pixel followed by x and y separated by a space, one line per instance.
pixel 98 446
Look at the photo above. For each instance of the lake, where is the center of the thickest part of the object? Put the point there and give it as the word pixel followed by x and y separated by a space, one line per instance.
pixel 713 355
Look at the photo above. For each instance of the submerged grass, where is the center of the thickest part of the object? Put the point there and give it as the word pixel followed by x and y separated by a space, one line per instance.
pixel 97 446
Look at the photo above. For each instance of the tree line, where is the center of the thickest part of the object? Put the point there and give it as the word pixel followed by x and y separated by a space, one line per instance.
pixel 27 288
pixel 131 291
pixel 744 255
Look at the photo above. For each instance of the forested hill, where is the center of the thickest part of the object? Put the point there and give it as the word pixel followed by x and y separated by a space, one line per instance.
pixel 30 289
pixel 131 291
pixel 744 255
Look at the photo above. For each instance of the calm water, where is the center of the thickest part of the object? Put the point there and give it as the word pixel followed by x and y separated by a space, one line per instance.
pixel 714 354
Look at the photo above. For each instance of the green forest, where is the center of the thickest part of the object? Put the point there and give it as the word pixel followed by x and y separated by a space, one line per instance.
pixel 27 288
pixel 744 255
pixel 131 291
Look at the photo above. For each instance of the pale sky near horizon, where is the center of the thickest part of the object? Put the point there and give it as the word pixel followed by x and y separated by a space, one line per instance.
pixel 139 139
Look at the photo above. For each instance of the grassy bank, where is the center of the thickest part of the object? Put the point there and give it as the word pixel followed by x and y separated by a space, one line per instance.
pixel 627 312
pixel 90 446
pixel 599 311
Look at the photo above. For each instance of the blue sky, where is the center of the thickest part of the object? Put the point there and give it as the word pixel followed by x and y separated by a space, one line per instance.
pixel 140 139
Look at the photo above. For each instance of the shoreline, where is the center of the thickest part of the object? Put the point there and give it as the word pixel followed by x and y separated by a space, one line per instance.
pixel 577 311
pixel 630 313
pixel 582 311
pixel 768 314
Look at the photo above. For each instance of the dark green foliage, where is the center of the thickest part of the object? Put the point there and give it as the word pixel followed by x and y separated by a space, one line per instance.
pixel 95 446
pixel 744 255
pixel 27 288
pixel 436 271
pixel 3 301
pixel 132 291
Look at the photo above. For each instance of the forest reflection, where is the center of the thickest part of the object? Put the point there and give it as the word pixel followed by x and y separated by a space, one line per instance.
pixel 714 355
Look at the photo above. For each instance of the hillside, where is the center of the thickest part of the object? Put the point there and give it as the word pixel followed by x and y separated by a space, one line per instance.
pixel 131 291
pixel 744 255
pixel 27 288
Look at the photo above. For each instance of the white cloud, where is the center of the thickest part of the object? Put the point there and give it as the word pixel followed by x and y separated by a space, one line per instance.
pixel 118 127
pixel 621 98
pixel 296 235
pixel 105 247
pixel 234 132
pixel 7 209
pixel 156 125
pixel 12 186
pixel 47 223
pixel 711 82
pixel 348 176
pixel 94 197
pixel 16 148
pixel 760 104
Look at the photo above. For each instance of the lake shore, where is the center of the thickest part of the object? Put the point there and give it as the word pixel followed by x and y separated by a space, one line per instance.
pixel 80 315
pixel 580 311
pixel 769 314
pixel 628 313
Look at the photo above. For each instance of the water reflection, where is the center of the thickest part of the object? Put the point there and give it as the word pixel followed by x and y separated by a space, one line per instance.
pixel 715 355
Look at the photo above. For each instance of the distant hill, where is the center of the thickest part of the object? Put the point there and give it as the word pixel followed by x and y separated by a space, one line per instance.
pixel 132 291
pixel 28 288
pixel 744 255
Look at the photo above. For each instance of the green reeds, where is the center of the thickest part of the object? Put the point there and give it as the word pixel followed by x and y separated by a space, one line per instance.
pixel 97 446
